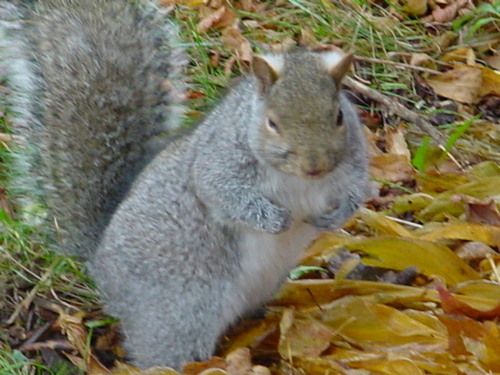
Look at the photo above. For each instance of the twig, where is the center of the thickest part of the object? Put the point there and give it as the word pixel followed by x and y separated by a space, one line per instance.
pixel 403 65
pixel 405 222
pixel 396 108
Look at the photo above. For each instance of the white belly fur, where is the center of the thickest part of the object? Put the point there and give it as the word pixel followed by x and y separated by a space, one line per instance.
pixel 266 259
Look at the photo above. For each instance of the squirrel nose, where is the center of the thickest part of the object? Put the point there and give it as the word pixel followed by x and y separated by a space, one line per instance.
pixel 314 166
pixel 313 173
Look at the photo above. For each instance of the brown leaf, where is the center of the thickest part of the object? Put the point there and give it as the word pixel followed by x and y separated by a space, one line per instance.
pixel 392 168
pixel 474 250
pixel 491 82
pixel 233 39
pixel 195 368
pixel 395 141
pixel 462 83
pixel 447 14
pixel 479 211
pixel 302 337
pixel 239 362
pixel 222 17
pixel 458 329
pixel 493 61
pixel 452 305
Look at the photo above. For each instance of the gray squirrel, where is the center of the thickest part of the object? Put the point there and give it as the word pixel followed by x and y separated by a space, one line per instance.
pixel 181 235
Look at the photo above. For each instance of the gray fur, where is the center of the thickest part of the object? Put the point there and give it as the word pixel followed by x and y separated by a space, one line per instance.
pixel 211 229
pixel 91 92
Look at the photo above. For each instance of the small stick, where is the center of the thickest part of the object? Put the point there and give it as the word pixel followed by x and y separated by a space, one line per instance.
pixel 396 108
pixel 403 65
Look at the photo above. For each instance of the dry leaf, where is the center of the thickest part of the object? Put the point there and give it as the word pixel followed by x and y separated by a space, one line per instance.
pixel 239 362
pixel 446 14
pixel 373 326
pixel 395 141
pixel 461 55
pixel 465 231
pixel 302 337
pixel 415 7
pixel 479 211
pixel 430 258
pixel 124 369
pixel 233 39
pixel 383 224
pixel 452 305
pixel 462 84
pixel 474 250
pixel 392 168
pixel 220 18
pixel 493 61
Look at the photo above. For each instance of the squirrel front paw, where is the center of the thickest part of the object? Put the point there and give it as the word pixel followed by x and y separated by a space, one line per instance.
pixel 329 221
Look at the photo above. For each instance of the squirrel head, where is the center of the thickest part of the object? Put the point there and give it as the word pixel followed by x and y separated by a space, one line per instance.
pixel 302 131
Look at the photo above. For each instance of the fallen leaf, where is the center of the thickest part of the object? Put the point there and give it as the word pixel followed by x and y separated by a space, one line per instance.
pixel 452 305
pixel 465 231
pixel 474 250
pixel 302 337
pixel 383 224
pixel 124 369
pixel 430 258
pixel 392 168
pixel 442 206
pixel 195 368
pixel 479 211
pixel 370 325
pixel 395 142
pixel 493 61
pixel 239 362
pixel 232 38
pixel 462 83
pixel 220 18
pixel 415 7
pixel 446 14
pixel 464 55
pixel 411 202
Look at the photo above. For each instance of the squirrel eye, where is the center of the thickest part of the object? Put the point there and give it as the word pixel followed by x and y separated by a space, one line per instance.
pixel 273 126
pixel 340 119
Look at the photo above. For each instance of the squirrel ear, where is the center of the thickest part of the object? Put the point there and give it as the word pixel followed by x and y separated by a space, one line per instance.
pixel 267 69
pixel 338 64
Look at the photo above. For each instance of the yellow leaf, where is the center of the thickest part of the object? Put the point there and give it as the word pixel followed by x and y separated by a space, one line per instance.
pixel 316 295
pixel 412 202
pixel 398 253
pixel 302 337
pixel 371 325
pixel 482 188
pixel 465 231
pixel 479 288
pixel 400 367
pixel 383 224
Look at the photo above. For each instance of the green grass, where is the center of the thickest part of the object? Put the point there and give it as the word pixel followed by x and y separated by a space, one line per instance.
pixel 13 362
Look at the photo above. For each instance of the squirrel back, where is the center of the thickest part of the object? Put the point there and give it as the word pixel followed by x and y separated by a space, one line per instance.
pixel 105 76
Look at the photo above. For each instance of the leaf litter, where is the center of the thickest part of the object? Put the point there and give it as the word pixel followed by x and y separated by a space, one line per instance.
pixel 434 221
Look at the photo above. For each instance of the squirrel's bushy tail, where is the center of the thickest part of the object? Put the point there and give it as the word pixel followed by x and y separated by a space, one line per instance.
pixel 94 83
